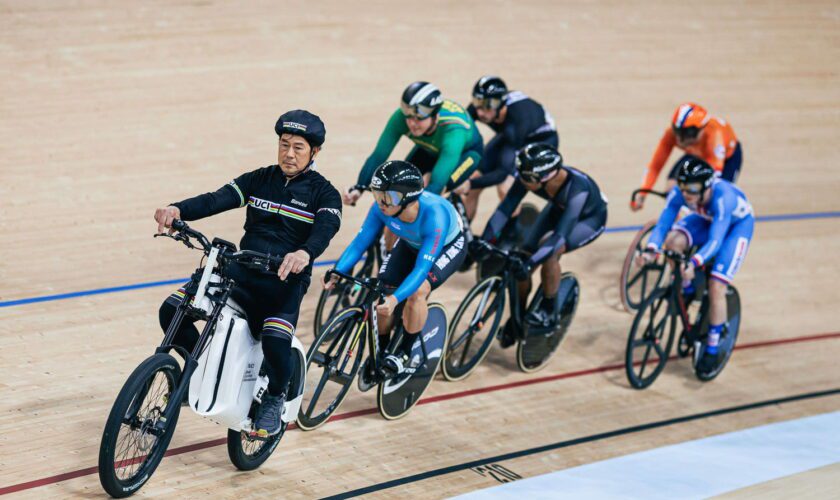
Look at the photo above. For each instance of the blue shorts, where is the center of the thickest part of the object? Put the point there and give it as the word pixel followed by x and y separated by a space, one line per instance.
pixel 731 255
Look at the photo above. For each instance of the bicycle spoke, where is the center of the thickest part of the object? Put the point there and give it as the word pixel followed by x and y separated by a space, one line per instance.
pixel 644 284
pixel 636 277
pixel 321 383
pixel 645 360
pixel 463 338
pixel 466 349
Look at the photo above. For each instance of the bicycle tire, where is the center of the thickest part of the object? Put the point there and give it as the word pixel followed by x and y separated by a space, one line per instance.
pixel 627 282
pixel 345 337
pixel 659 300
pixel 533 352
pixel 150 448
pixel 733 314
pixel 494 289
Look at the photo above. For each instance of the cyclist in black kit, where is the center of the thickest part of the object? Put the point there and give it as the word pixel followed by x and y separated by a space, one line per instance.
pixel 292 210
pixel 517 120
pixel 575 216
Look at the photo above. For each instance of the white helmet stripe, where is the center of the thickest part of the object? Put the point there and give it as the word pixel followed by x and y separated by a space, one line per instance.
pixel 685 110
pixel 422 94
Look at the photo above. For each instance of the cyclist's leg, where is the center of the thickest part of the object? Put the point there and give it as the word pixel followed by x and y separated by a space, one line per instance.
pixel 728 261
pixel 582 233
pixel 278 328
pixel 541 230
pixel 689 231
pixel 396 266
pixel 187 334
pixel 732 165
pixel 416 308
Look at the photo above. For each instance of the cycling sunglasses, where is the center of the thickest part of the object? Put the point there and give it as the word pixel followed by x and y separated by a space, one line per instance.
pixel 481 102
pixel 388 198
pixel 417 112
pixel 694 188
pixel 686 133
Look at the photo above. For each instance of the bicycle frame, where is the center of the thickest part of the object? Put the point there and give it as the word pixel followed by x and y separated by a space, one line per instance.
pixel 370 321
pixel 675 286
pixel 511 284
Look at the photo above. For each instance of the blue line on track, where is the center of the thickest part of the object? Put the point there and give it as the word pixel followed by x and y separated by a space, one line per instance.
pixel 618 229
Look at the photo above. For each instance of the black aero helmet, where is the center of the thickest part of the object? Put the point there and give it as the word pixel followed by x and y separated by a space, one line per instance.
pixel 693 170
pixel 396 183
pixel 421 100
pixel 303 123
pixel 489 92
pixel 537 160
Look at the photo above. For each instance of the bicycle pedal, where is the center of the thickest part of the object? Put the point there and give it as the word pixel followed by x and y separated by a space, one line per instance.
pixel 260 435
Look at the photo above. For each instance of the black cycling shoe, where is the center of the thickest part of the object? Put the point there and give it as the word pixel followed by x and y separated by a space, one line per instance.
pixel 507 335
pixel 709 362
pixel 542 318
pixel 397 363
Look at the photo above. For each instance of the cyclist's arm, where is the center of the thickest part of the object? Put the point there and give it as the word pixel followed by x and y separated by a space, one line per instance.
pixel 492 178
pixel 502 214
pixel 454 143
pixel 371 229
pixel 723 206
pixel 228 197
pixel 327 222
pixel 570 217
pixel 660 156
pixel 394 129
pixel 666 219
pixel 436 228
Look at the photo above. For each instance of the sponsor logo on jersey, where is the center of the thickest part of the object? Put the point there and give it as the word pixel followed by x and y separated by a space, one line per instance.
pixel 281 209
pixel 300 203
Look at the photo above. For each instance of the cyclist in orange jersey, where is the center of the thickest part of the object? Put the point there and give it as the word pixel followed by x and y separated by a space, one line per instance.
pixel 698 134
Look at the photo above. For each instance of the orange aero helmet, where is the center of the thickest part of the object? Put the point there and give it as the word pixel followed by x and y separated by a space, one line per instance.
pixel 689 119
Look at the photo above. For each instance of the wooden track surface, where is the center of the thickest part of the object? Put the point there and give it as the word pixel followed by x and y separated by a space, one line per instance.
pixel 108 111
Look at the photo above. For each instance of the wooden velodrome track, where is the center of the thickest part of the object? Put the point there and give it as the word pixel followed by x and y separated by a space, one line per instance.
pixel 108 111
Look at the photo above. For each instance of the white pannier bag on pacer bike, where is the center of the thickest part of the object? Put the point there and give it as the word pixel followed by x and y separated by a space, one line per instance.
pixel 224 377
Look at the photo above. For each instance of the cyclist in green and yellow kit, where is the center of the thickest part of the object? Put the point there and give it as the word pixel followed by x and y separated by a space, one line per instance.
pixel 448 146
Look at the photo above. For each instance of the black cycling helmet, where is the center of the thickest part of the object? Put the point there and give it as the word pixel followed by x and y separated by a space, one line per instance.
pixel 421 100
pixel 693 170
pixel 489 92
pixel 537 160
pixel 303 123
pixel 396 183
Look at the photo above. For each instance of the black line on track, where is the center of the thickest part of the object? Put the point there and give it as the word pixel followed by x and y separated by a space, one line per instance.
pixel 581 440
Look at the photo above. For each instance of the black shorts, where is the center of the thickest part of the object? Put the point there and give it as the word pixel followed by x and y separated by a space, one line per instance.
pixel 581 234
pixel 272 306
pixel 467 164
pixel 403 257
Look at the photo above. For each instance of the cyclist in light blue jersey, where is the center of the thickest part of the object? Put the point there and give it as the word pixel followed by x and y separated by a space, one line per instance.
pixel 430 248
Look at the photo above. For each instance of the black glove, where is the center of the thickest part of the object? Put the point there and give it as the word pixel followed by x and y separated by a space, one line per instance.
pixel 521 269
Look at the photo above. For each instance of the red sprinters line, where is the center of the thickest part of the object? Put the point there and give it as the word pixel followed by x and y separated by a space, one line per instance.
pixel 434 399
